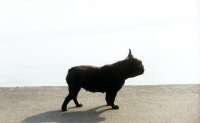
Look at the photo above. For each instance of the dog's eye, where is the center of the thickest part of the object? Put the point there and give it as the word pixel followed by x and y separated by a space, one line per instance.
pixel 140 64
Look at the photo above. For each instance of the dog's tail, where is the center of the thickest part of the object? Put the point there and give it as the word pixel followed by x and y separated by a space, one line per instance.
pixel 68 77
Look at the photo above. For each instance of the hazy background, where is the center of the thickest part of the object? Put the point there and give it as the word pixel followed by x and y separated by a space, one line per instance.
pixel 41 39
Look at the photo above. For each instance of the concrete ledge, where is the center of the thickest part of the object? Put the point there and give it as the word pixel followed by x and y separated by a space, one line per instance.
pixel 138 104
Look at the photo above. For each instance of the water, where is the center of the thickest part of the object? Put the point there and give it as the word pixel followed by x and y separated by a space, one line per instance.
pixel 39 42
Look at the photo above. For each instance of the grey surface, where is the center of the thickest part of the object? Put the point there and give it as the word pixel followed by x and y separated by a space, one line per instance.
pixel 138 104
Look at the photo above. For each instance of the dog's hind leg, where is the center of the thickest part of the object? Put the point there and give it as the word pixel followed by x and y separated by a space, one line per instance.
pixel 73 92
pixel 76 102
pixel 75 98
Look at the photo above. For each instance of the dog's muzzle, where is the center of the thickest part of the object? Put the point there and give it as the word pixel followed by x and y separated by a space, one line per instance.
pixel 141 67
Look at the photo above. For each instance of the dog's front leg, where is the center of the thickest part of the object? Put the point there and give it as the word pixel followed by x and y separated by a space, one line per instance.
pixel 110 99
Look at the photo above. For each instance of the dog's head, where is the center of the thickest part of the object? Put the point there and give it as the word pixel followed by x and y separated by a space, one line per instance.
pixel 135 65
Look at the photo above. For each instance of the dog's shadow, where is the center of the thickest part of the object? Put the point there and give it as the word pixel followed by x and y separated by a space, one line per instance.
pixel 89 116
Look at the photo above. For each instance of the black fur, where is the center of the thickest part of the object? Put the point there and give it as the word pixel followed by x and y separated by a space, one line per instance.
pixel 108 78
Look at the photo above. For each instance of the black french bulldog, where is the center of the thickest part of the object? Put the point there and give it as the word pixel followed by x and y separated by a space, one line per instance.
pixel 108 78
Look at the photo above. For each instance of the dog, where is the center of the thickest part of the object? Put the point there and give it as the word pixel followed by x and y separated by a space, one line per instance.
pixel 108 78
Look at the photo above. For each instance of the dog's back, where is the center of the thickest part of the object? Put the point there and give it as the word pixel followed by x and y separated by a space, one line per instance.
pixel 87 77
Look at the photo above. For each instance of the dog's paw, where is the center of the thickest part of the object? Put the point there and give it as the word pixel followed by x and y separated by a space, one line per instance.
pixel 64 109
pixel 115 107
pixel 80 105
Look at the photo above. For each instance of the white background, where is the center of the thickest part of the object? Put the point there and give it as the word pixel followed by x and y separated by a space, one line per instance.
pixel 41 39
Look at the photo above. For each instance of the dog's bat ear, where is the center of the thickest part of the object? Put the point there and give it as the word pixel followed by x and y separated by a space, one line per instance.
pixel 129 54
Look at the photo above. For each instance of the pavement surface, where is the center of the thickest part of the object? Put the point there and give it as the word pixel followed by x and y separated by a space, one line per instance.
pixel 137 104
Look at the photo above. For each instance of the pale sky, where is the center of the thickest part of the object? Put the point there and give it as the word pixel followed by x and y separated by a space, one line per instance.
pixel 40 40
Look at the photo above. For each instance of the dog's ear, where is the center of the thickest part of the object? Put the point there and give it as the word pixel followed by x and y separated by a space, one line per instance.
pixel 129 55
